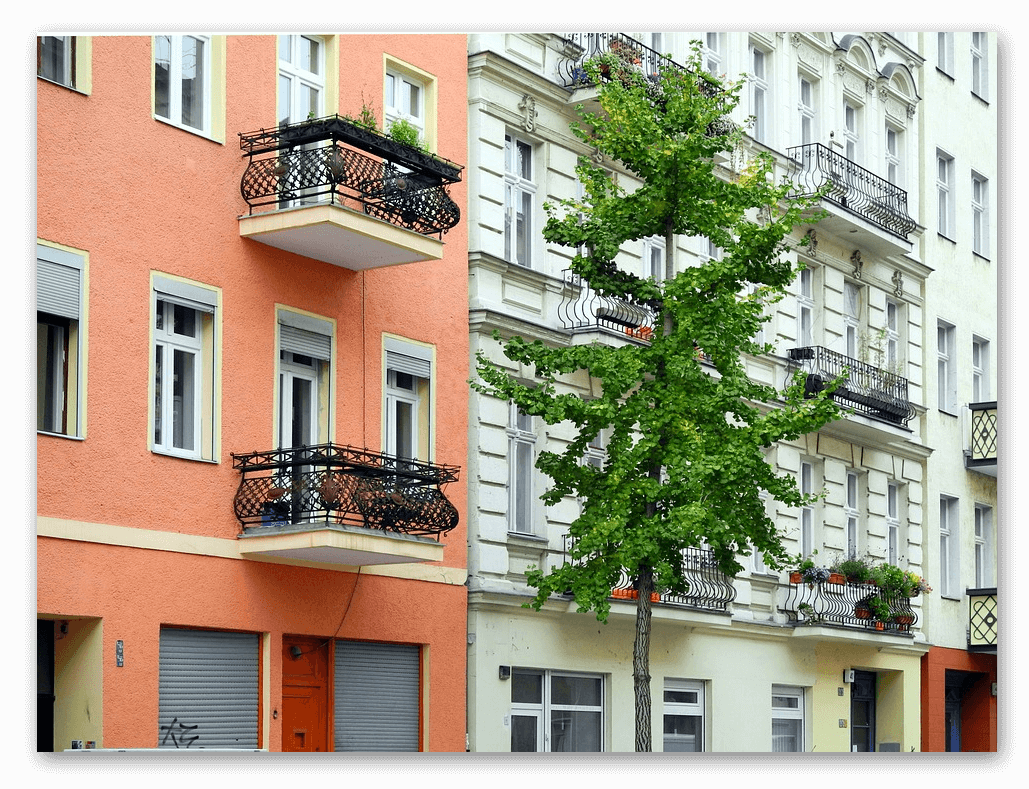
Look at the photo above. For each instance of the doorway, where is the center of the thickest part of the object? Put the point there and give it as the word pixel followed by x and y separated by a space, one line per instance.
pixel 305 694
pixel 862 712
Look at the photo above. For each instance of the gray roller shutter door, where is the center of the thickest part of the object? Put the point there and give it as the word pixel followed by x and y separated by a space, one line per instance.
pixel 377 697
pixel 208 689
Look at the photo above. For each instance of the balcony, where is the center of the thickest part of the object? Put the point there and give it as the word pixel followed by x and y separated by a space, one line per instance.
pixel 334 505
pixel 867 389
pixel 338 192
pixel 585 46
pixel 584 310
pixel 709 589
pixel 845 185
pixel 848 605
pixel 982 620
pixel 981 455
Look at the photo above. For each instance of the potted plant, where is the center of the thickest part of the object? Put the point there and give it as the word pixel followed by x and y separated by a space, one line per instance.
pixel 855 570
pixel 880 610
pixel 807 612
pixel 863 609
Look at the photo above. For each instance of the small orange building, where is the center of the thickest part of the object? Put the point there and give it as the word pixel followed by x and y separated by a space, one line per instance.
pixel 252 355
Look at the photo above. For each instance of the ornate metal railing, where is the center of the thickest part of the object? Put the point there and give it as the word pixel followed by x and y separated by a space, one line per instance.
pixel 327 483
pixel 815 167
pixel 983 445
pixel 982 620
pixel 867 389
pixel 590 45
pixel 709 588
pixel 332 160
pixel 847 605
pixel 583 308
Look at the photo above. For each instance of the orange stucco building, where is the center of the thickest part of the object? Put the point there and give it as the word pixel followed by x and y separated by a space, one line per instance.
pixel 252 356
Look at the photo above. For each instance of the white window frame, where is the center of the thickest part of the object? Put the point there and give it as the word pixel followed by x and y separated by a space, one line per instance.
pixel 521 476
pixel 519 192
pixel 980 215
pixel 684 698
pixel 949 539
pixel 980 65
pixel 946 383
pixel 305 350
pixel 980 369
pixel 806 483
pixel 852 120
pixel 296 79
pixel 61 304
pixel 852 512
pixel 945 52
pixel 806 307
pixel 789 712
pixel 894 361
pixel 760 93
pixel 893 522
pixel 983 546
pixel 945 194
pixel 654 258
pixel 203 302
pixel 713 52
pixel 66 65
pixel 547 708
pixel 807 108
pixel 852 319
pixel 404 99
pixel 407 362
pixel 893 138
pixel 176 77
pixel 596 451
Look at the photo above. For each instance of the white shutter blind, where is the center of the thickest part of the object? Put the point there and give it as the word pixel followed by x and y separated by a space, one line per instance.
pixel 405 357
pixel 58 281
pixel 305 334
pixel 377 697
pixel 185 293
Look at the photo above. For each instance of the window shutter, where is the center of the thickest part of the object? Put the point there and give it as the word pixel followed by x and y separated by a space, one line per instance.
pixel 377 697
pixel 405 357
pixel 58 282
pixel 208 689
pixel 185 293
pixel 306 335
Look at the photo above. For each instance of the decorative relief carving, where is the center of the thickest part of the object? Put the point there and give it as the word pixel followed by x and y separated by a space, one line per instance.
pixel 855 258
pixel 898 283
pixel 528 107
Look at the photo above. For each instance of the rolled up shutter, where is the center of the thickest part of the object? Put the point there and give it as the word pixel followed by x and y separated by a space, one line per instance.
pixel 377 697
pixel 305 335
pixel 58 282
pixel 406 357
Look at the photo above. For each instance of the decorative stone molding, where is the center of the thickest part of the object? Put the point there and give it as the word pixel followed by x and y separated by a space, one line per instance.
pixel 812 241
pixel 898 283
pixel 528 107
pixel 855 258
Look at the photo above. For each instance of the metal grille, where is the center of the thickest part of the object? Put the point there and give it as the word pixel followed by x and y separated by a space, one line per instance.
pixel 984 431
pixel 847 605
pixel 982 619
pixel 582 308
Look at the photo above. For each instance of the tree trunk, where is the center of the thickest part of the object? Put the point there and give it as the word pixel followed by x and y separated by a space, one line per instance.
pixel 641 659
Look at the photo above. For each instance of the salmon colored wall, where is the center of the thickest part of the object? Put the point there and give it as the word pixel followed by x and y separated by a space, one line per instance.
pixel 113 582
pixel 978 708
pixel 139 195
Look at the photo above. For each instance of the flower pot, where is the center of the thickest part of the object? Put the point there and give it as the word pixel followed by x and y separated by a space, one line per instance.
pixel 623 594
pixel 862 613
pixel 880 625
pixel 795 578
pixel 837 578
pixel 904 619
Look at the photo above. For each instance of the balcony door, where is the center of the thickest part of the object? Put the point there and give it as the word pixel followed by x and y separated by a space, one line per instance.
pixel 301 96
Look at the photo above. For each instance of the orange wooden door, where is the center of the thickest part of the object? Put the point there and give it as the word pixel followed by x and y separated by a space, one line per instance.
pixel 305 694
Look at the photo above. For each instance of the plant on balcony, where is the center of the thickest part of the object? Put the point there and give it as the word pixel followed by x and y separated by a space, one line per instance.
pixel 856 571
pixel 405 133
pixel 880 609
pixel 678 473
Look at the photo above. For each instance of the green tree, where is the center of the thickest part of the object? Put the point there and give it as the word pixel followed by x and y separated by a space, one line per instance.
pixel 685 464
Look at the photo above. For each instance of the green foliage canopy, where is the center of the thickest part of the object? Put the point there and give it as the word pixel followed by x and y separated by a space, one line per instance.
pixel 685 462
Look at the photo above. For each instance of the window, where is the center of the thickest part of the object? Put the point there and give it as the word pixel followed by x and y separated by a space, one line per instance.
pixel 892 522
pixel 945 194
pixel 807 512
pixel 60 341
pixel 806 111
pixel 714 46
pixel 654 259
pixel 683 716
pixel 301 78
pixel 182 81
pixel 946 367
pixel 183 369
pixel 405 100
pixel 787 719
pixel 980 215
pixel 55 59
pixel 980 370
pixel 519 200
pixel 949 535
pixel 208 689
pixel 806 308
pixel 852 320
pixel 852 130
pixel 894 156
pixel 521 460
pixel 852 511
pixel 760 103
pixel 408 399
pixel 893 360
pixel 596 451
pixel 305 359
pixel 945 52
pixel 556 712
pixel 980 60
pixel 983 546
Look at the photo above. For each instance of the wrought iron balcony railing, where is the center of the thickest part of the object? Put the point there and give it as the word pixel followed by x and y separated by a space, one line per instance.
pixel 583 308
pixel 816 167
pixel 629 50
pixel 332 160
pixel 982 620
pixel 866 388
pixel 983 444
pixel 709 588
pixel 848 605
pixel 312 485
